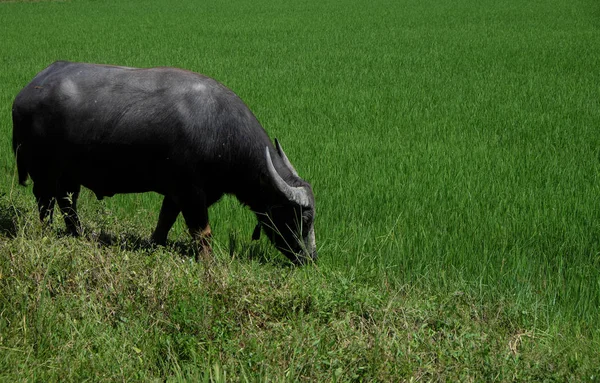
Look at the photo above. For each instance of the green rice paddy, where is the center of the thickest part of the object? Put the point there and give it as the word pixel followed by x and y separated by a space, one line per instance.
pixel 454 151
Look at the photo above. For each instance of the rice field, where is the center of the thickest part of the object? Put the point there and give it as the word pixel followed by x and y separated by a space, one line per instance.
pixel 454 151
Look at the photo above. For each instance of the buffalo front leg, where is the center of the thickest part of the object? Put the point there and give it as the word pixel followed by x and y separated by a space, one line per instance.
pixel 67 201
pixel 167 217
pixel 256 232
pixel 195 212
pixel 45 201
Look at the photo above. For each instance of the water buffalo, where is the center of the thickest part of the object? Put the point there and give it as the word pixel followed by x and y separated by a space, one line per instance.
pixel 174 132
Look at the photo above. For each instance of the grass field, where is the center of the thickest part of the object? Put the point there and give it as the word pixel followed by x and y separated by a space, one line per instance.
pixel 454 150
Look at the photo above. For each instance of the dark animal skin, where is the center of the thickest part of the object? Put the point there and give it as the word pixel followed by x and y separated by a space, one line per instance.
pixel 171 131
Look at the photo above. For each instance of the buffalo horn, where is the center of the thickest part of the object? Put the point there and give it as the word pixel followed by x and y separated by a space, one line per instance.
pixel 286 161
pixel 293 193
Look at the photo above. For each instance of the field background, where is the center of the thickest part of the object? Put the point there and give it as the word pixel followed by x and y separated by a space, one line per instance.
pixel 454 150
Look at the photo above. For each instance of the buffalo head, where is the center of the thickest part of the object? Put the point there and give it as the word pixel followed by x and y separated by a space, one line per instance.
pixel 290 224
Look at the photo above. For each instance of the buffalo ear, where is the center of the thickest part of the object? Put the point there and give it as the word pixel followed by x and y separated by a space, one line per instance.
pixel 256 232
pixel 286 161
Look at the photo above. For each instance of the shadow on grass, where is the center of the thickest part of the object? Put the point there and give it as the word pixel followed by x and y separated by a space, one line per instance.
pixel 254 250
pixel 245 250
pixel 133 242
pixel 9 217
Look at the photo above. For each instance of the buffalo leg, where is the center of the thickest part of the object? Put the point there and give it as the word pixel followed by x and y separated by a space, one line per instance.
pixel 167 217
pixel 256 232
pixel 45 202
pixel 195 212
pixel 67 201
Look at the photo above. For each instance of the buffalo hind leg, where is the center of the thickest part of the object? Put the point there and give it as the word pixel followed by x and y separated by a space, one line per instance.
pixel 45 201
pixel 67 201
pixel 195 212
pixel 167 217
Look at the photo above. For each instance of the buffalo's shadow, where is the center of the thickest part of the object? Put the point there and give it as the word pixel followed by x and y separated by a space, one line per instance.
pixel 129 241
pixel 9 217
pixel 249 249
pixel 238 247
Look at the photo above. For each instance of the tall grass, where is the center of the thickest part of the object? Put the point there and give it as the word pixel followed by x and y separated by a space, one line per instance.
pixel 453 146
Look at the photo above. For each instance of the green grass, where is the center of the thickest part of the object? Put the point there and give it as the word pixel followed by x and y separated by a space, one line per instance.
pixel 454 151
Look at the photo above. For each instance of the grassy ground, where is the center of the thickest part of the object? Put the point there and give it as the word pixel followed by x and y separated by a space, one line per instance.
pixel 78 310
pixel 455 156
